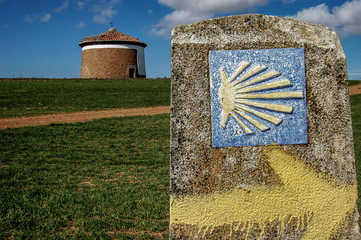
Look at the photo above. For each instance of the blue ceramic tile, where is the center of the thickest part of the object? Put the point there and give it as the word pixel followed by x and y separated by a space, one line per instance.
pixel 260 95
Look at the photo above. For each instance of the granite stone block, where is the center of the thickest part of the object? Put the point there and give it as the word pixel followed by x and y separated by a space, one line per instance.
pixel 298 183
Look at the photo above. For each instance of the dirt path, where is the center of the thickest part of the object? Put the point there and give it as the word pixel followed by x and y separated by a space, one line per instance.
pixel 91 115
pixel 355 89
pixel 79 116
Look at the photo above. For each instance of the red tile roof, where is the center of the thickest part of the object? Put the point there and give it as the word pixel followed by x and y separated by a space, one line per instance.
pixel 111 35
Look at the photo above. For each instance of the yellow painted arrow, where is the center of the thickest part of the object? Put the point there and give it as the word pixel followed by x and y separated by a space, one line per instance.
pixel 312 200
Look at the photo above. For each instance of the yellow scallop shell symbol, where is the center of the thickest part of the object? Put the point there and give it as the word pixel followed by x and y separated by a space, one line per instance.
pixel 237 90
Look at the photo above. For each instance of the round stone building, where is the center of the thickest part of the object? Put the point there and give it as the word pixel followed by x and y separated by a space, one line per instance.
pixel 112 55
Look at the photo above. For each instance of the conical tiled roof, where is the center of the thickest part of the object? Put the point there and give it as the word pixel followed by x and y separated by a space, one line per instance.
pixel 112 36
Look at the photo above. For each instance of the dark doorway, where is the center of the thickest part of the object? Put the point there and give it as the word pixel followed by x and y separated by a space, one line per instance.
pixel 131 73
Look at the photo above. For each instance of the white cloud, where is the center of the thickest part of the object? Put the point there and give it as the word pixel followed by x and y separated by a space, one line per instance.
pixel 29 18
pixel 80 24
pixel 319 14
pixel 104 11
pixel 188 11
pixel 45 18
pixel 104 15
pixel 177 17
pixel 63 6
pixel 81 5
pixel 349 15
pixel 345 19
pixel 354 75
pixel 212 6
pixel 38 18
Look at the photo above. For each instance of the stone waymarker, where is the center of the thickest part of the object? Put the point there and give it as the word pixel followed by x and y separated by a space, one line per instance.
pixel 261 136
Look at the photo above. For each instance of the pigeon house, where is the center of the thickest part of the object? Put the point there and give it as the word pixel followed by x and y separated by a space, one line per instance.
pixel 112 55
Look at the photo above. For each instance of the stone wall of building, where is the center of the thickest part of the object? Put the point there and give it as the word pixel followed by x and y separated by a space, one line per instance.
pixel 111 63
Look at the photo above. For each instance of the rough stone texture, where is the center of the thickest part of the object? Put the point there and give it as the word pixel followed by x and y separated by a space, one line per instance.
pixel 199 169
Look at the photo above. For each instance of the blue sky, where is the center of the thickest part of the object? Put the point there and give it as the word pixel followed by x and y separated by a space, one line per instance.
pixel 39 38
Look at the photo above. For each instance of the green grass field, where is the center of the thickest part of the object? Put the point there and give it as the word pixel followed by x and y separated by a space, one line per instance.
pixel 354 82
pixel 25 98
pixel 104 179
pixel 97 180
pixel 356 125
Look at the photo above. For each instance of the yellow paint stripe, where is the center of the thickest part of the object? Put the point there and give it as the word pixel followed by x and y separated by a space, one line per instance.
pixel 224 76
pixel 242 66
pixel 308 199
pixel 245 128
pixel 266 86
pixel 269 106
pixel 270 118
pixel 256 123
pixel 277 95
pixel 255 70
pixel 262 77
